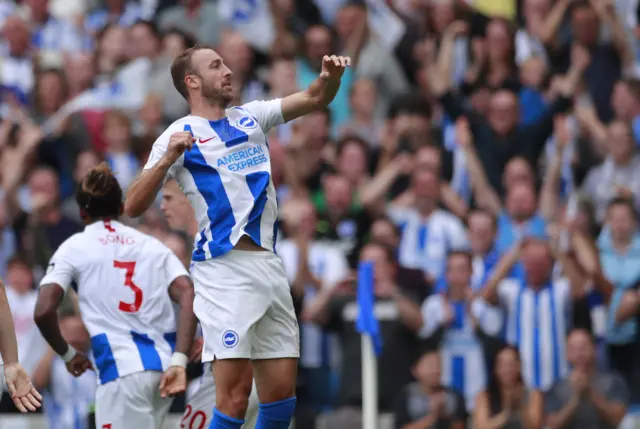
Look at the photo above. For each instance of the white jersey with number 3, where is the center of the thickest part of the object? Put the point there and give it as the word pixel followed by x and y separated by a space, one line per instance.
pixel 227 176
pixel 122 278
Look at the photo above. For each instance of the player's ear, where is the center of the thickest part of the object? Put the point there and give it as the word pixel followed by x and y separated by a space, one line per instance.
pixel 83 214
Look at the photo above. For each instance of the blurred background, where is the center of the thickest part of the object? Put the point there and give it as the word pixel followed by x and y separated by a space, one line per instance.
pixel 463 127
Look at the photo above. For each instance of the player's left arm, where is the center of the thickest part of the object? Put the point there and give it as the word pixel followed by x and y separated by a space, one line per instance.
pixel 321 91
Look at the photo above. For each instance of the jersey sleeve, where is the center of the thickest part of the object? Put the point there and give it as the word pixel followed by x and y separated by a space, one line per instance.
pixel 268 113
pixel 337 268
pixel 62 268
pixel 172 266
pixel 458 235
pixel 159 149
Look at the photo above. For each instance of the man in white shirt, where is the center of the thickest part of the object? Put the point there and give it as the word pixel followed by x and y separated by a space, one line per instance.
pixel 126 281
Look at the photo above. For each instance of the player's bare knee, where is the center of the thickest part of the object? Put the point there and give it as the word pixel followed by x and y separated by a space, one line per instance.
pixel 235 401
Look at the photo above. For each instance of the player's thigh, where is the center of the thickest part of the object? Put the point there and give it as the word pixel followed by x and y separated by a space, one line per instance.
pixel 131 401
pixel 199 409
pixel 277 347
pixel 277 334
pixel 230 299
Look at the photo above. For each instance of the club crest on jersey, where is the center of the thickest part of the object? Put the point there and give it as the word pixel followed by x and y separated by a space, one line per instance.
pixel 246 123
pixel 229 339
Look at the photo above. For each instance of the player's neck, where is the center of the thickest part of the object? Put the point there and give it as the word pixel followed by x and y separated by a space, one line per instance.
pixel 208 111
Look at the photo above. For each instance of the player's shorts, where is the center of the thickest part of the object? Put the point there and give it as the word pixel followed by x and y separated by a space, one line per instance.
pixel 199 409
pixel 244 304
pixel 132 401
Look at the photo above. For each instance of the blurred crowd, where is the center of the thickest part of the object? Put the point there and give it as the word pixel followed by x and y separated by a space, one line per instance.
pixel 483 153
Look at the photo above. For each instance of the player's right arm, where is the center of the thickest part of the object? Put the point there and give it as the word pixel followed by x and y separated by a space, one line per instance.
pixel 165 153
pixel 60 274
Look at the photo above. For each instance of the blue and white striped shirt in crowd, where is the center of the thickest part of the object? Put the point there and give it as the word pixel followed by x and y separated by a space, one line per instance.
pixel 463 363
pixel 329 265
pixel 425 242
pixel 16 77
pixel 537 323
pixel 57 35
pixel 227 176
pixel 98 19
pixel 482 268
pixel 68 399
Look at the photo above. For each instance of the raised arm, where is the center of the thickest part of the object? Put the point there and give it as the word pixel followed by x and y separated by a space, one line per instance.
pixel 607 13
pixel 143 191
pixel 552 21
pixel 374 191
pixel 549 195
pixel 320 93
pixel 484 194
pixel 490 290
pixel 543 127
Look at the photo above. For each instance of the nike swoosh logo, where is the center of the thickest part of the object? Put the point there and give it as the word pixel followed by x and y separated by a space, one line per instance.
pixel 206 140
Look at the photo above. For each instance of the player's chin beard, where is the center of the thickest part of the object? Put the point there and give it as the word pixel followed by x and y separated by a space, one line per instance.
pixel 215 96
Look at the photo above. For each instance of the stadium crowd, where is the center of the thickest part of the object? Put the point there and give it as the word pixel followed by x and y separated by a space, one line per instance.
pixel 483 153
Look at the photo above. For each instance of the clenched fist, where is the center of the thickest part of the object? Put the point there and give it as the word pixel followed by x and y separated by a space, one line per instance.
pixel 178 144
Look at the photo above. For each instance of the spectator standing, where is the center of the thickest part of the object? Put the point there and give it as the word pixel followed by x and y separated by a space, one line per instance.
pixel 618 174
pixel 536 307
pixel 448 323
pixel 586 398
pixel 619 246
pixel 427 402
pixel 498 137
pixel 399 317
pixel 506 403
pixel 428 232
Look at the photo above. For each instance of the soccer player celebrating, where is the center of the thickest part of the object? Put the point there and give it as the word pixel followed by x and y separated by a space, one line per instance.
pixel 220 158
pixel 125 282
pixel 22 392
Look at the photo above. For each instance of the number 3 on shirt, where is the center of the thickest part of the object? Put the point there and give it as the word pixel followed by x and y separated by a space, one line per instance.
pixel 128 282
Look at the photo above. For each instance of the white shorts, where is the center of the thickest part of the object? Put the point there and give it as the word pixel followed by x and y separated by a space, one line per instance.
pixel 244 304
pixel 132 401
pixel 199 409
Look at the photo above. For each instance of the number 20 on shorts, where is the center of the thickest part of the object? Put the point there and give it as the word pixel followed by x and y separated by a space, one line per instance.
pixel 193 421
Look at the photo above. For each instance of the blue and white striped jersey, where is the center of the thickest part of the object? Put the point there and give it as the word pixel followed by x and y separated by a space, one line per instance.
pixel 425 242
pixel 122 277
pixel 463 362
pixel 227 176
pixel 537 323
